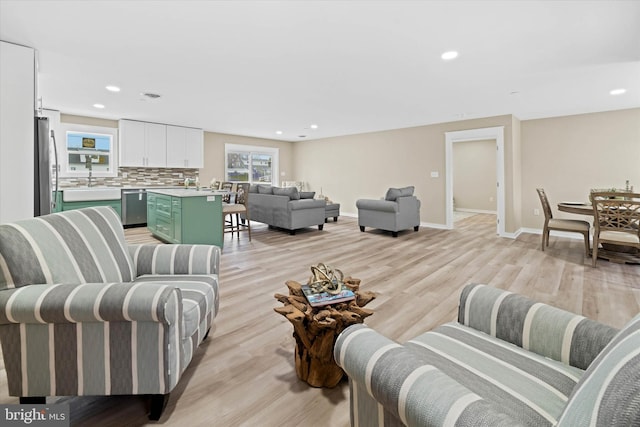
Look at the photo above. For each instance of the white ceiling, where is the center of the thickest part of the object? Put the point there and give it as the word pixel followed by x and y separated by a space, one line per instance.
pixel 255 67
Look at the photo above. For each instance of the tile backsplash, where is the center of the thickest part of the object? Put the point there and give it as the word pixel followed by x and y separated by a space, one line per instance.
pixel 136 177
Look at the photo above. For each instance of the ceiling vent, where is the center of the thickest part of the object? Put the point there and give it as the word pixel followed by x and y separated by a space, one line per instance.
pixel 150 95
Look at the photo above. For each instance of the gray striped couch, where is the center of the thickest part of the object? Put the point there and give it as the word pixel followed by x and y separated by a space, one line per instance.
pixel 508 361
pixel 83 313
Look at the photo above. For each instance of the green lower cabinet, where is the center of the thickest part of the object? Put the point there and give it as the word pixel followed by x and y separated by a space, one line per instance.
pixel 151 212
pixel 61 205
pixel 176 218
pixel 191 219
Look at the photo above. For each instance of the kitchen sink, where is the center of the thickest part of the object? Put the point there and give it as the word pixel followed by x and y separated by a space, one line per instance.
pixel 90 194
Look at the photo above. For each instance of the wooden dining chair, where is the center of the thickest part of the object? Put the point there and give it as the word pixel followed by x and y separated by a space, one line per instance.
pixel 569 225
pixel 617 220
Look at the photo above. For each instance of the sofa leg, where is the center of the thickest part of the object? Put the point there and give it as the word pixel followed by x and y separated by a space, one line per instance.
pixel 326 220
pixel 158 403
pixel 394 233
pixel 362 228
pixel 416 228
pixel 292 232
pixel 335 219
pixel 33 400
pixel 320 227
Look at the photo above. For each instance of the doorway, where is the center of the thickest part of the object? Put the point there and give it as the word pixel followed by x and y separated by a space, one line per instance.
pixel 494 133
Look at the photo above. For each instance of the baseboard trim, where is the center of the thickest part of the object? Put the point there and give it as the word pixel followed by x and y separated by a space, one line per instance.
pixel 565 234
pixel 480 211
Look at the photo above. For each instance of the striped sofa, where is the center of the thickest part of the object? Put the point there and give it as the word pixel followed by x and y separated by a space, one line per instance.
pixel 508 361
pixel 83 313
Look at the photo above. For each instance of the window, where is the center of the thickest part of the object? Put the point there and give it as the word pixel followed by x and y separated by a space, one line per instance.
pixel 251 164
pixel 85 149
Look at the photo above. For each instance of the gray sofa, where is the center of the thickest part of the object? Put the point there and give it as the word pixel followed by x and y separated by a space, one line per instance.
pixel 400 210
pixel 507 361
pixel 285 208
pixel 84 313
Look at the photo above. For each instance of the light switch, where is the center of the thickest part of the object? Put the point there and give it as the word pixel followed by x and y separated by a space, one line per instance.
pixel 435 174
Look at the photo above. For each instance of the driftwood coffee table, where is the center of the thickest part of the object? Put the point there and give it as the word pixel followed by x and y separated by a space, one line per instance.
pixel 315 330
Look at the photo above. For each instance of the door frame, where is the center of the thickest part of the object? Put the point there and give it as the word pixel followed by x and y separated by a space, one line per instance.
pixel 481 134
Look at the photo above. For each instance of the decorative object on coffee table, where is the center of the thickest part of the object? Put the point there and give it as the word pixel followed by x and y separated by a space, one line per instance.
pixel 315 328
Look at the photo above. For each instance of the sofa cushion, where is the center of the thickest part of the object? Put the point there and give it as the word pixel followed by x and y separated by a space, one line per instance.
pixel 527 386
pixel 199 295
pixel 253 188
pixel 291 192
pixel 265 189
pixel 77 246
pixel 307 194
pixel 609 392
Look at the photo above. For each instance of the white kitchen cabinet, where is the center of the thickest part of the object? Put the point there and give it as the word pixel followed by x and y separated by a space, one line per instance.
pixel 185 147
pixel 155 136
pixel 143 144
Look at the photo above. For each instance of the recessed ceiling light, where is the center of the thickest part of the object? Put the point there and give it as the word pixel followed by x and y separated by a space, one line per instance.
pixel 98 106
pixel 314 126
pixel 447 56
pixel 618 91
pixel 112 88
pixel 278 132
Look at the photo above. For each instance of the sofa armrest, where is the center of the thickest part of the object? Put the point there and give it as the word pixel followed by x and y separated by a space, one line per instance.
pixel 377 205
pixel 408 204
pixel 296 205
pixel 91 302
pixel 415 393
pixel 175 259
pixel 541 328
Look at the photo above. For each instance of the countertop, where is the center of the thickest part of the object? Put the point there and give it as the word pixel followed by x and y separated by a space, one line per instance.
pixel 175 192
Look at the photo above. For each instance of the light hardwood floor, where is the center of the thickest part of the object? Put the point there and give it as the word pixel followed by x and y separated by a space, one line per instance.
pixel 243 374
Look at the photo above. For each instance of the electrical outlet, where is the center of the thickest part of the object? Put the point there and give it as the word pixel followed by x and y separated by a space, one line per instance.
pixel 536 212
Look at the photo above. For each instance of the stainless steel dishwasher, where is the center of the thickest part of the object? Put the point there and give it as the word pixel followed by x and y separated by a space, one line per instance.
pixel 134 207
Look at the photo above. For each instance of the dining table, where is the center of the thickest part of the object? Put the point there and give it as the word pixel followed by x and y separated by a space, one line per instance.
pixel 576 208
pixel 614 253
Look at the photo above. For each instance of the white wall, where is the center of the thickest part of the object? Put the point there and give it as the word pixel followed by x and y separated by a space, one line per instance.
pixel 17 108
pixel 474 175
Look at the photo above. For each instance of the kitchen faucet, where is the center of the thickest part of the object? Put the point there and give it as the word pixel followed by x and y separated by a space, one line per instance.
pixel 89 165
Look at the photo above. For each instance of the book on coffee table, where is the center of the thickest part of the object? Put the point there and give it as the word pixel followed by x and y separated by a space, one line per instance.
pixel 319 299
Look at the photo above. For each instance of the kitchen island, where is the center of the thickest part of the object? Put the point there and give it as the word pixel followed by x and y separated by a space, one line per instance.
pixel 185 216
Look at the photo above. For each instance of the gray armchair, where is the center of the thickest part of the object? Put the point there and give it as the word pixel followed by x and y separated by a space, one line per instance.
pixel 400 210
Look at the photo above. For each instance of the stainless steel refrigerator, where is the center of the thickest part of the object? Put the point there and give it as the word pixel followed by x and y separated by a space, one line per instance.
pixel 44 164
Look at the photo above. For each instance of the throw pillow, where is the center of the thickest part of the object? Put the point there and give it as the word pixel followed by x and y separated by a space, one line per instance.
pixel 265 189
pixel 307 194
pixel 392 194
pixel 608 392
pixel 407 191
pixel 291 192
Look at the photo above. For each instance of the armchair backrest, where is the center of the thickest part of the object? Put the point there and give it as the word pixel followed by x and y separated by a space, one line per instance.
pixel 77 246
